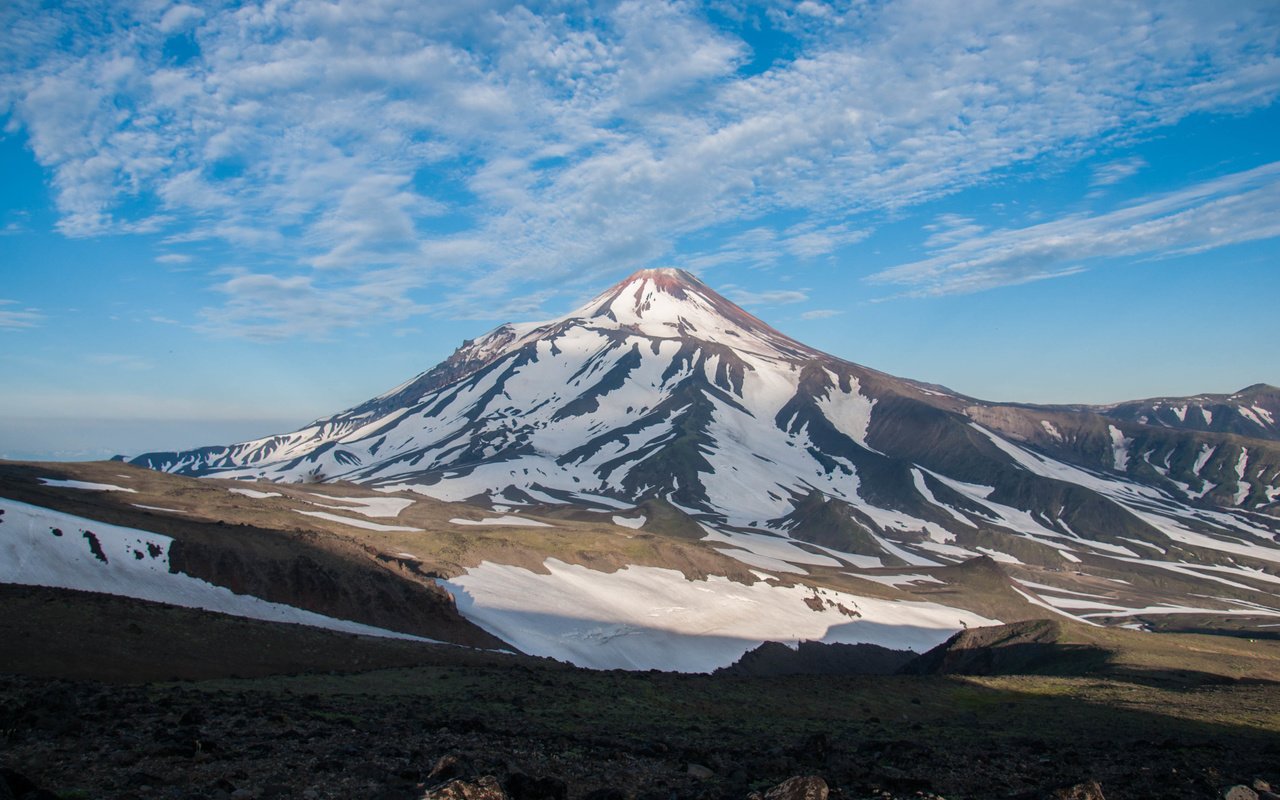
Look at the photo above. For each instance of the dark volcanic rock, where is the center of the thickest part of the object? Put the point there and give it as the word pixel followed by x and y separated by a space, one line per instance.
pixel 817 658
pixel 1030 647
pixel 525 787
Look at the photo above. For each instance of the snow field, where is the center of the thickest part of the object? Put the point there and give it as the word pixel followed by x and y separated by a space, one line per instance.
pixel 132 563
pixel 653 618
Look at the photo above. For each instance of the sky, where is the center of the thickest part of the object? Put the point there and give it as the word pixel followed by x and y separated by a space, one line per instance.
pixel 221 221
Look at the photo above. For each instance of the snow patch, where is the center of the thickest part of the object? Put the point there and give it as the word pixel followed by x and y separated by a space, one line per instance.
pixel 653 618
pixel 509 519
pixel 112 559
pixel 255 494
pixel 159 508
pixel 1003 558
pixel 1202 458
pixel 849 413
pixel 357 523
pixel 1119 448
pixel 896 580
pixel 85 485
pixel 1249 415
pixel 629 522
pixel 381 507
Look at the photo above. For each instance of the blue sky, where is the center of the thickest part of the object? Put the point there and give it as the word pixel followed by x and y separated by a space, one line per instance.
pixel 224 220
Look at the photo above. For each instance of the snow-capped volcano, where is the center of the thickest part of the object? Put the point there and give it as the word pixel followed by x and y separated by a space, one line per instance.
pixel 662 391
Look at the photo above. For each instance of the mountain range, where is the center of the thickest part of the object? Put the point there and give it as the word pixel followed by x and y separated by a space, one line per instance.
pixel 659 479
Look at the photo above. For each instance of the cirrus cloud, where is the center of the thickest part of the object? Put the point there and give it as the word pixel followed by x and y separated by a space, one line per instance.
pixel 382 149
pixel 1235 208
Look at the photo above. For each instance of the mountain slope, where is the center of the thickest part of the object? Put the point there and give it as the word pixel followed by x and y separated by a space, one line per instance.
pixel 659 390
pixel 1253 411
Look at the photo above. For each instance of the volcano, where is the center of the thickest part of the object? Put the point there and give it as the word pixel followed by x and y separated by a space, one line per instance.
pixel 660 393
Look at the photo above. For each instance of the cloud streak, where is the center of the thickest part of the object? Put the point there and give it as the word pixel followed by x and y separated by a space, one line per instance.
pixel 1236 208
pixel 15 319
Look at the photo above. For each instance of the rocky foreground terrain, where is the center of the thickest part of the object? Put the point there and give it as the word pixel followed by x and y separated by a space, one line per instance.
pixel 465 726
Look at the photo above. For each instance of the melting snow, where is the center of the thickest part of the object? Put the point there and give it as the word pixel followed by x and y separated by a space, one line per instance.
pixel 1036 601
pixel 896 580
pixel 1202 458
pixel 389 507
pixel 255 494
pixel 772 547
pixel 159 508
pixel 764 562
pixel 509 519
pixel 651 618
pixel 849 413
pixel 629 522
pixel 1249 415
pixel 133 563
pixel 1243 487
pixel 357 523
pixel 90 487
pixel 1050 429
pixel 1003 558
pixel 1119 448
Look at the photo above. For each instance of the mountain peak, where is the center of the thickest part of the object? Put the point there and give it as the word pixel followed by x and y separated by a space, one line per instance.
pixel 641 286
pixel 672 303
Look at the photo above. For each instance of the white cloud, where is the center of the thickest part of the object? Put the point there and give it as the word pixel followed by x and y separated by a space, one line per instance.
pixel 11 319
pixel 1236 208
pixel 821 313
pixel 179 17
pixel 1115 171
pixel 375 149
pixel 173 258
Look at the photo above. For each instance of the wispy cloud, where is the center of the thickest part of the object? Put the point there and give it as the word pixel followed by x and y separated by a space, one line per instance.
pixel 821 313
pixel 16 222
pixel 375 150
pixel 1236 208
pixel 773 297
pixel 1115 171
pixel 12 318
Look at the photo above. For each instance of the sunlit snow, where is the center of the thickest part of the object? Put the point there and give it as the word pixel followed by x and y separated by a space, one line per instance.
pixel 652 618
pixel 42 547
pixel 86 485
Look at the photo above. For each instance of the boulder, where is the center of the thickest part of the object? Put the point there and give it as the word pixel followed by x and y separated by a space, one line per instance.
pixel 801 787
pixel 485 788
pixel 1089 790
